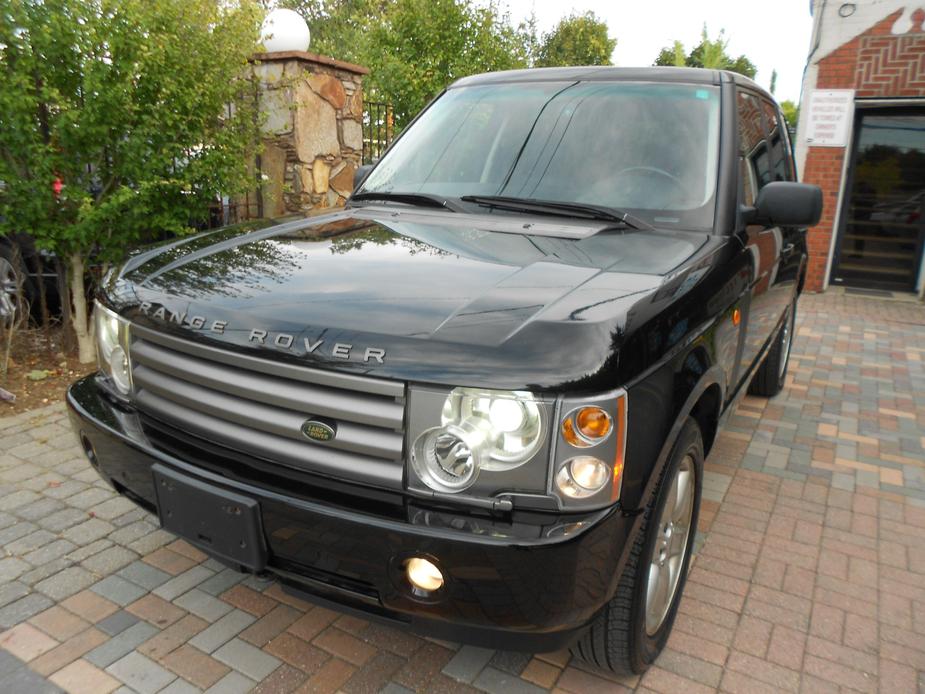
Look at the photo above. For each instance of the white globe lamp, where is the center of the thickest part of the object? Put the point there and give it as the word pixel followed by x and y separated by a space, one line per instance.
pixel 284 30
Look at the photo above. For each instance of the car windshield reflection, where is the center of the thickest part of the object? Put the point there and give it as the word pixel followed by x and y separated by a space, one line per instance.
pixel 651 149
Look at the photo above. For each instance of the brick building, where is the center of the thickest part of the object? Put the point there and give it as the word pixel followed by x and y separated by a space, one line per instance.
pixel 861 137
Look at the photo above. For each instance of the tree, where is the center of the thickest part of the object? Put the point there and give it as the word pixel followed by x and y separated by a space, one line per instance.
pixel 421 46
pixel 791 113
pixel 709 53
pixel 414 48
pixel 529 36
pixel 338 27
pixel 141 109
pixel 673 56
pixel 579 39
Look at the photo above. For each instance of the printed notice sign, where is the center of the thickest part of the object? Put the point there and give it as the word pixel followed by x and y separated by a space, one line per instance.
pixel 829 117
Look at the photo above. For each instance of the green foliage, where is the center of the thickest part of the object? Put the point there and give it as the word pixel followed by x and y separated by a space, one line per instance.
pixel 530 38
pixel 791 113
pixel 673 56
pixel 420 46
pixel 414 48
pixel 338 27
pixel 142 109
pixel 709 53
pixel 579 39
pixel 743 66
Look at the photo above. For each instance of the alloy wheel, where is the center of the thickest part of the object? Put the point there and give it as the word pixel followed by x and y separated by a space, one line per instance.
pixel 670 550
pixel 786 341
pixel 9 292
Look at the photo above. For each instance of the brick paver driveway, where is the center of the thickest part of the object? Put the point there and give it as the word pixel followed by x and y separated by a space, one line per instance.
pixel 811 574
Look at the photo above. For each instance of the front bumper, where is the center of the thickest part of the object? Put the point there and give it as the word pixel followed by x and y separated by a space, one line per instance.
pixel 531 581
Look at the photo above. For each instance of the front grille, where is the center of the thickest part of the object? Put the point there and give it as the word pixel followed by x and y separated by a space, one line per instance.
pixel 258 406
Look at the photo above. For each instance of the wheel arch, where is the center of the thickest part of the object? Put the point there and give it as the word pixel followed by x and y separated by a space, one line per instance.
pixel 703 402
pixel 706 412
pixel 700 397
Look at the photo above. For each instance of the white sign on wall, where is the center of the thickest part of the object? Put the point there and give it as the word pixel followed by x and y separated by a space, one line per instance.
pixel 829 117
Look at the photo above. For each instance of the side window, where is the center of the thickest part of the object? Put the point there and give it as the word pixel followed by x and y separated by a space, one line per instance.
pixel 754 160
pixel 779 143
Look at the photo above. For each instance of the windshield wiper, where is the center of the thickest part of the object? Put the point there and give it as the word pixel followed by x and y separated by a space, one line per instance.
pixel 416 199
pixel 568 209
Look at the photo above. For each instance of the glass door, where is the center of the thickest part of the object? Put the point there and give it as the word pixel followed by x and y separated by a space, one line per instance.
pixel 880 245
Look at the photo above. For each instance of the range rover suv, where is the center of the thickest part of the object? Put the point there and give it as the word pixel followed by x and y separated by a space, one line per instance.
pixel 476 402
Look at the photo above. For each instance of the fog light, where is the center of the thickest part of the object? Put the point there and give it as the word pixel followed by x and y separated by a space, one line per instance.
pixel 89 451
pixel 423 574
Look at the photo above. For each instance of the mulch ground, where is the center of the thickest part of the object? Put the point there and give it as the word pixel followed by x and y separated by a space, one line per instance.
pixel 39 370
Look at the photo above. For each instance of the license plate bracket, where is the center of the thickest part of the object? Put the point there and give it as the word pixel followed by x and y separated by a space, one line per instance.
pixel 220 522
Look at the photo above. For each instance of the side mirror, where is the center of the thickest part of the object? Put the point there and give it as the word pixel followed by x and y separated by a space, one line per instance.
pixel 784 203
pixel 360 175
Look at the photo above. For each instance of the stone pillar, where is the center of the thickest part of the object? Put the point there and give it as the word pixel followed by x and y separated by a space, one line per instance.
pixel 312 130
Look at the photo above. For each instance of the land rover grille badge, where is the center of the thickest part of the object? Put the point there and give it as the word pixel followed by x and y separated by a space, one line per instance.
pixel 318 431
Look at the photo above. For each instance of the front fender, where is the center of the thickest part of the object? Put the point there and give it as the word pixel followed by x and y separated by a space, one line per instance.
pixel 659 405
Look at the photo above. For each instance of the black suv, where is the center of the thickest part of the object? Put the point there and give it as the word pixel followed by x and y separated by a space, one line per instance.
pixel 477 401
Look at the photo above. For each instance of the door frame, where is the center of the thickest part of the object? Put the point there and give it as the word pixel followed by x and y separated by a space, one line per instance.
pixel 847 180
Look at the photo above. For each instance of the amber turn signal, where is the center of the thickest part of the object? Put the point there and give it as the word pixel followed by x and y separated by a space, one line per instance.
pixel 593 422
pixel 586 427
pixel 618 460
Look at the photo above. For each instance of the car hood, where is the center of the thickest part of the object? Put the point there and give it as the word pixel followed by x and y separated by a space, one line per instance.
pixel 484 300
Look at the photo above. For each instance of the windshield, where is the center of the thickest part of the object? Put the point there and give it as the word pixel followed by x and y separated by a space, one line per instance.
pixel 646 148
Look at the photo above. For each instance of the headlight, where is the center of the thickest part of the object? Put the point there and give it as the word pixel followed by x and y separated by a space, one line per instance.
pixel 588 469
pixel 527 449
pixel 480 430
pixel 508 424
pixel 112 347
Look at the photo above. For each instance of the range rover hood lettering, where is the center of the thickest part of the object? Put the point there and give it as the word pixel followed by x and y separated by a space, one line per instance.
pixel 405 295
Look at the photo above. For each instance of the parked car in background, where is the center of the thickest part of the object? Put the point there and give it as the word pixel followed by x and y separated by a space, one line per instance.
pixel 23 270
pixel 476 403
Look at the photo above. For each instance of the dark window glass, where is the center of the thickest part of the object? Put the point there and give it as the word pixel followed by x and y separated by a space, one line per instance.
pixel 651 149
pixel 754 161
pixel 778 142
pixel 883 237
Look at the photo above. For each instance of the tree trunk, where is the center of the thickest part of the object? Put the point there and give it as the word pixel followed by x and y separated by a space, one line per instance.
pixel 80 315
pixel 39 267
pixel 6 337
pixel 68 341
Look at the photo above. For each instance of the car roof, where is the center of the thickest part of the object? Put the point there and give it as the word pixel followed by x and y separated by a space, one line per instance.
pixel 684 75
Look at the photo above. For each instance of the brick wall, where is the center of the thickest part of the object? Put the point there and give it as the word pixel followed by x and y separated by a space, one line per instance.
pixel 876 64
pixel 891 66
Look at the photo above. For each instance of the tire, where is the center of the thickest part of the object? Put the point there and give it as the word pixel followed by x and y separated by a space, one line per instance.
pixel 769 379
pixel 623 638
pixel 13 287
